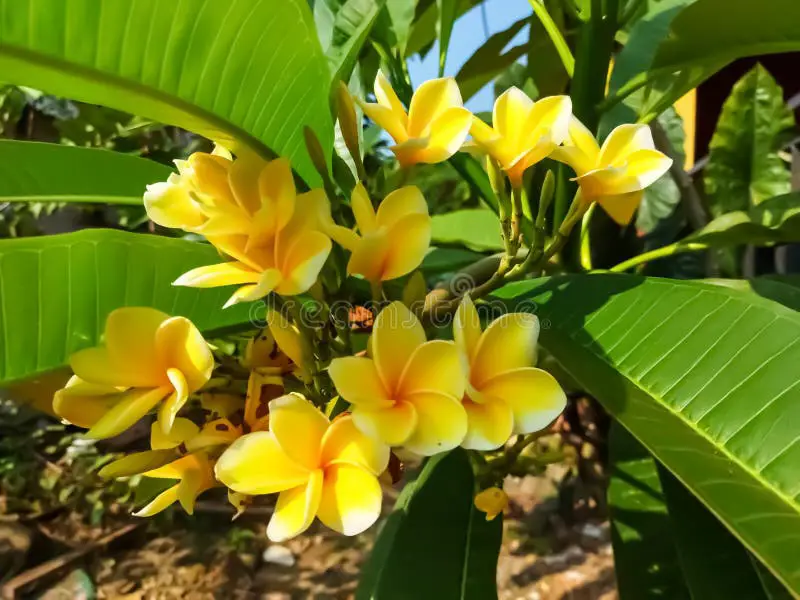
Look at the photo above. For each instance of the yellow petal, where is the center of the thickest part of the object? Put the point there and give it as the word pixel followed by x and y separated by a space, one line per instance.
pixel 346 238
pixel 298 426
pixel 351 499
pixel 209 174
pixel 570 155
pixel 434 366
pixel 396 334
pixel 369 256
pixel 177 469
pixel 256 464
pixel 400 203
pixel 429 102
pixel 621 208
pixel 345 443
pixel 182 430
pixel 229 273
pixel 221 404
pixel 481 133
pixel 392 425
pixel 304 257
pixel 581 138
pixel 196 480
pixel 268 281
pixel 357 381
pixel 277 189
pixel 489 425
pixel 218 432
pixel 159 503
pixel 137 463
pixel 180 345
pixel 170 205
pixel 363 211
pixel 393 122
pixel 467 328
pixel 411 152
pixel 623 141
pixel 447 135
pixel 409 240
pixel 287 337
pixel 169 409
pixel 385 95
pixel 510 112
pixel 132 406
pixel 96 366
pixel 243 181
pixel 84 404
pixel 548 120
pixel 647 166
pixel 508 343
pixel 535 397
pixel 491 501
pixel 295 509
pixel 441 423
pixel 642 169
pixel 130 337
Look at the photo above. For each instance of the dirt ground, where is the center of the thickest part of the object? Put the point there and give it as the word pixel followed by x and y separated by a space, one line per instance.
pixel 206 557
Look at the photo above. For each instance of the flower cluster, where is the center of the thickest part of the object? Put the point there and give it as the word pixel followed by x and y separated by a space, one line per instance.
pixel 299 412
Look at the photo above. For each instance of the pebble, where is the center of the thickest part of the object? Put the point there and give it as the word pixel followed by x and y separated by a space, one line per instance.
pixel 278 555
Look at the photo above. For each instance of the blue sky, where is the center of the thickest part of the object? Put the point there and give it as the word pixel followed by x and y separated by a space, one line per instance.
pixel 469 35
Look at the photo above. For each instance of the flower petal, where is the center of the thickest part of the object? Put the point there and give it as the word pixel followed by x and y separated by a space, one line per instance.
pixel 621 208
pixel 431 100
pixel 647 166
pixel 298 426
pixel 268 281
pixel 170 205
pixel 287 337
pixel 351 499
pixel 345 443
pixel 535 397
pixel 441 423
pixel 295 509
pixel 132 406
pixel 411 151
pixel 570 155
pixel 209 175
pixel 363 211
pixel 396 333
pixel 180 345
pixel 392 426
pixel 130 337
pixel 369 256
pixel 448 133
pixel 467 328
pixel 229 273
pixel 84 404
pixel 623 141
pixel 409 240
pixel 489 425
pixel 137 463
pixel 159 503
pixel 243 181
pixel 385 95
pixel 510 112
pixel 549 118
pixel 302 261
pixel 400 203
pixel 581 138
pixel 434 366
pixel 508 343
pixel 277 190
pixel 174 403
pixel 256 464
pixel 182 430
pixel 393 122
pixel 482 134
pixel 357 380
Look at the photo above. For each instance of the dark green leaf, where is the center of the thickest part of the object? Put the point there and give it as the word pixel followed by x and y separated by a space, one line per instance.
pixel 477 229
pixel 472 172
pixel 448 260
pixel 705 377
pixel 544 65
pixel 38 172
pixel 645 557
pixel 55 292
pixel 435 544
pixel 351 26
pixel 401 14
pixel 248 74
pixel 448 13
pixel 744 168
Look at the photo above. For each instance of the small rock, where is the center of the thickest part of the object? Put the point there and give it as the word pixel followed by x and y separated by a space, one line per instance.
pixel 77 585
pixel 278 555
pixel 593 536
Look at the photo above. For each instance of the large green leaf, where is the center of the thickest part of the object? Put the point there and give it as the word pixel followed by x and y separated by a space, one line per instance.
pixel 705 377
pixel 344 26
pixel 38 172
pixel 475 228
pixel 246 73
pixel 448 13
pixel 744 168
pixel 646 561
pixel 783 289
pixel 55 292
pixel 435 544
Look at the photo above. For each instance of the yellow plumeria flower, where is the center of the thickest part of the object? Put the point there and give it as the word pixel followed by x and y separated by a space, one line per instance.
pixel 409 393
pixel 505 394
pixel 492 501
pixel 288 264
pixel 195 475
pixel 616 174
pixel 435 126
pixel 392 241
pixel 325 469
pixel 523 132
pixel 148 357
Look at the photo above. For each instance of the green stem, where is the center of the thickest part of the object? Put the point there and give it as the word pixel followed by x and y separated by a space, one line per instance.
pixel 516 219
pixel 676 248
pixel 586 245
pixel 554 32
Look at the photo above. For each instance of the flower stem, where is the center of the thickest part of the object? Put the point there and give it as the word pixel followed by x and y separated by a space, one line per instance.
pixel 558 40
pixel 676 248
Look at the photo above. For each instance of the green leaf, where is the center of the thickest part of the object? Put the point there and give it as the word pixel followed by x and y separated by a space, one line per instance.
pixel 55 292
pixel 705 377
pixel 472 172
pixel 783 289
pixel 247 74
pixel 448 260
pixel 435 544
pixel 744 168
pixel 351 26
pixel 401 14
pixel 38 172
pixel 475 228
pixel 647 564
pixel 489 60
pixel 448 12
pixel 544 65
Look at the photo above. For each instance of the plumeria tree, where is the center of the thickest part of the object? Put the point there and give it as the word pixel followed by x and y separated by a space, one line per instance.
pixel 284 335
